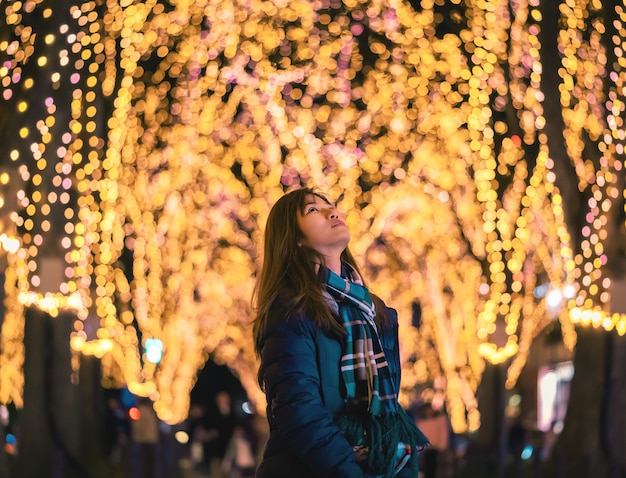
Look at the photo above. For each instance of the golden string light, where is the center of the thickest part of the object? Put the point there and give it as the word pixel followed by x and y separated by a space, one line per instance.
pixel 583 97
pixel 184 122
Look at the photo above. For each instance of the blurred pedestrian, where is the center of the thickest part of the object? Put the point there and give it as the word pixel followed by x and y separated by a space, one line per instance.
pixel 517 442
pixel 196 432
pixel 239 461
pixel 219 424
pixel 145 439
pixel 434 424
pixel 116 432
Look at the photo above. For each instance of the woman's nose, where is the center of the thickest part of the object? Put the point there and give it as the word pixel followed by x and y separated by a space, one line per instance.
pixel 334 214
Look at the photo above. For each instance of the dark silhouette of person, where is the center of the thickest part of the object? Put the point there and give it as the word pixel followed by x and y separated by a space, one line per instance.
pixel 219 424
pixel 517 442
pixel 434 424
pixel 145 438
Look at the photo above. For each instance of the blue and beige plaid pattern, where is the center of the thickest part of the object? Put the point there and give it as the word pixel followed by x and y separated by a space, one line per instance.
pixel 363 365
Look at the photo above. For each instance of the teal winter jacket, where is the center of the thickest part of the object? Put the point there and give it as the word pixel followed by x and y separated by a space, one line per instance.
pixel 305 395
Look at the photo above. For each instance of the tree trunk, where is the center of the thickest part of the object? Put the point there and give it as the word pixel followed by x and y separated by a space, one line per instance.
pixel 92 417
pixel 4 458
pixel 36 457
pixel 614 418
pixel 50 433
pixel 491 438
pixel 593 437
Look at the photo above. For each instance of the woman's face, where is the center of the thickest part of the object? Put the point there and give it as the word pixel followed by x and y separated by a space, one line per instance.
pixel 322 227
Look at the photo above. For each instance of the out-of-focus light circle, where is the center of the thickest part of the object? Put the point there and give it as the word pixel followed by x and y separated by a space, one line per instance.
pixel 134 413
pixel 554 298
pixel 154 350
pixel 182 437
pixel 569 291
pixel 247 408
pixel 558 427
pixel 515 400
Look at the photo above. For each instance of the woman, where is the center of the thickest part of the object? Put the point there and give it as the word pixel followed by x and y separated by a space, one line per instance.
pixel 330 365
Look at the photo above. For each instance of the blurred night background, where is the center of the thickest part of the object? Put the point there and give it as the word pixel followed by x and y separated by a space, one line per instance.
pixel 476 148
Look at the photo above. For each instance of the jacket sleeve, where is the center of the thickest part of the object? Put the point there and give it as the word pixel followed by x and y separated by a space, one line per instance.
pixel 292 384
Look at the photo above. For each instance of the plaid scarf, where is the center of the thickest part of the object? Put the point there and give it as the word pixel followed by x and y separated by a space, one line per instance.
pixel 374 421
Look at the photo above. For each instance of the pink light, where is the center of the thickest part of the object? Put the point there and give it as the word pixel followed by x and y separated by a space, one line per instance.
pixel 356 29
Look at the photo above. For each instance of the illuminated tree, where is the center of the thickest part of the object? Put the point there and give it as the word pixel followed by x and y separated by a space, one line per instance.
pixel 586 133
pixel 161 133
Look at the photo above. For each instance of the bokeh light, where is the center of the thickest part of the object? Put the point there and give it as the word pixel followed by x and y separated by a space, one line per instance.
pixel 151 138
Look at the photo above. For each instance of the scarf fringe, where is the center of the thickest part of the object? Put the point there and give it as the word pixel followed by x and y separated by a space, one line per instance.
pixel 382 434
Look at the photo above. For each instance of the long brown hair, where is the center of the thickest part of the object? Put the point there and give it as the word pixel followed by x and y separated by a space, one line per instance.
pixel 288 282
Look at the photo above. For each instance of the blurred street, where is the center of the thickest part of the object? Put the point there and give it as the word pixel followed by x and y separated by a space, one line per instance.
pixel 175 460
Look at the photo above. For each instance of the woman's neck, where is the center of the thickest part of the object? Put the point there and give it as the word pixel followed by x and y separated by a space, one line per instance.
pixel 334 266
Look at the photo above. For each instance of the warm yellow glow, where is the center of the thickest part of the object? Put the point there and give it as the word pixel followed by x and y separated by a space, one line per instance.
pixel 218 107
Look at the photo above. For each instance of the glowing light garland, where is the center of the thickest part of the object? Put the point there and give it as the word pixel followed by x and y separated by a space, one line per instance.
pixel 217 107
pixel 583 97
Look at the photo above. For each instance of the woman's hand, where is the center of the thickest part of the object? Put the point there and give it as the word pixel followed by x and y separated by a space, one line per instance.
pixel 361 452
